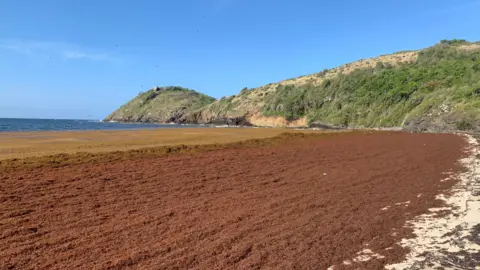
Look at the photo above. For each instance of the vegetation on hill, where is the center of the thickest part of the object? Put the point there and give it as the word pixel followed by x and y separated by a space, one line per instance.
pixel 249 102
pixel 161 105
pixel 434 89
pixel 441 90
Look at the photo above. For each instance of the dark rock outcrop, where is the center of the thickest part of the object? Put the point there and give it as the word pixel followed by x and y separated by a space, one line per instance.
pixel 234 121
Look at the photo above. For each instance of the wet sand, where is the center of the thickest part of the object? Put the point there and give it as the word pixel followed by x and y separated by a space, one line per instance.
pixel 305 203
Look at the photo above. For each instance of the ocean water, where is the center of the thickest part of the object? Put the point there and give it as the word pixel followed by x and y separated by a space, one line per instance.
pixel 11 124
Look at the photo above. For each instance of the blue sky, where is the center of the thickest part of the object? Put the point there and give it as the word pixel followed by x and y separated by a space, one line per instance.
pixel 84 58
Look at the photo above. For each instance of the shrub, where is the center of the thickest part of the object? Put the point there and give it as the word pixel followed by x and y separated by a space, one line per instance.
pixel 151 95
pixel 464 125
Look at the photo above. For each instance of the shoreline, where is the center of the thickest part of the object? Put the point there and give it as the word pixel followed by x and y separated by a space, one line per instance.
pixel 19 144
pixel 315 126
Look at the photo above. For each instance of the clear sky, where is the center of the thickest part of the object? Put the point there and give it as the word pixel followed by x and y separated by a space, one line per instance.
pixel 84 58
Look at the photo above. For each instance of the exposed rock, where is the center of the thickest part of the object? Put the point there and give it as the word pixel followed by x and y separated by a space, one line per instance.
pixel 322 126
pixel 235 121
pixel 442 123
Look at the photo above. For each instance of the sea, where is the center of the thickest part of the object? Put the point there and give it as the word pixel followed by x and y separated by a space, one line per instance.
pixel 14 125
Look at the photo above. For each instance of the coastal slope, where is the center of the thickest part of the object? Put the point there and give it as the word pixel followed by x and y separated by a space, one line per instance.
pixel 434 89
pixel 160 105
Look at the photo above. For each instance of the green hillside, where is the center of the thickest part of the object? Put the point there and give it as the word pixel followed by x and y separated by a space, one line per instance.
pixel 440 90
pixel 160 105
pixel 434 89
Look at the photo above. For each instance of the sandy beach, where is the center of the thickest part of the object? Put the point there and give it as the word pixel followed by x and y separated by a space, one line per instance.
pixel 298 200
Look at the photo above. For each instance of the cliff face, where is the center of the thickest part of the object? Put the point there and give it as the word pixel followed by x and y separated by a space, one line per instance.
pixel 160 105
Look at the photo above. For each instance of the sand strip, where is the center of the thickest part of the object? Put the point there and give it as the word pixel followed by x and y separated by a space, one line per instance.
pixel 451 241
